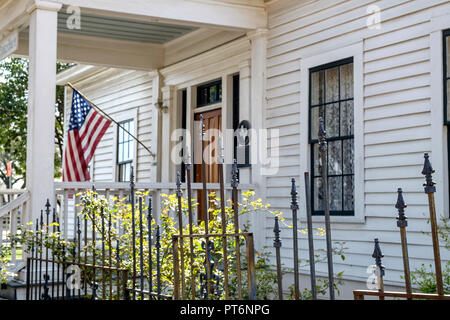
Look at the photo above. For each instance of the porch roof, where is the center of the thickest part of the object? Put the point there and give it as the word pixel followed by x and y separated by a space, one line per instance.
pixel 133 34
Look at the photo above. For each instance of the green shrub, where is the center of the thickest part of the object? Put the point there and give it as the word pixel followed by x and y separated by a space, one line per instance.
pixel 93 207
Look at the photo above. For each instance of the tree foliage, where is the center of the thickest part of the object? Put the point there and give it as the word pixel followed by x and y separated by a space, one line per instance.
pixel 13 118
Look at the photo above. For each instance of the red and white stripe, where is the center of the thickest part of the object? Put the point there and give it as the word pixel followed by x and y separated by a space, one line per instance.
pixel 81 145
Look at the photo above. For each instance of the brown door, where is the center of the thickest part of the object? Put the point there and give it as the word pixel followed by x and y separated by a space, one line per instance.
pixel 213 125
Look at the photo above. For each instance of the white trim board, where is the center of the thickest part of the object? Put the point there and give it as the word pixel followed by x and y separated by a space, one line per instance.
pixel 355 51
pixel 439 152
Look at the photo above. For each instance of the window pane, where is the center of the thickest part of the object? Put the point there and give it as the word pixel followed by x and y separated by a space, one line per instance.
pixel 127 150
pixel 348 193
pixel 348 156
pixel 335 157
pixel 318 194
pixel 347 81
pixel 317 161
pixel 212 94
pixel 316 112
pixel 332 97
pixel 131 156
pixel 332 120
pixel 119 152
pixel 335 190
pixel 317 87
pixel 448 57
pixel 347 118
pixel 448 100
pixel 332 84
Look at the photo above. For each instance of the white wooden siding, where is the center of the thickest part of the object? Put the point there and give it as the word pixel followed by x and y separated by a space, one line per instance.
pixel 397 120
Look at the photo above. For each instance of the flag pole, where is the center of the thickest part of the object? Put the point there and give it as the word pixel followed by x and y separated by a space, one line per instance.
pixel 109 117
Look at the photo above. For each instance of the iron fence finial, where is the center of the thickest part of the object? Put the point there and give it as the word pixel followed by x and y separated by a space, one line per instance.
pixel 294 202
pixel 47 207
pixel 42 218
pixel 179 194
pixel 377 255
pixel 276 231
pixel 235 175
pixel 427 172
pixel 400 206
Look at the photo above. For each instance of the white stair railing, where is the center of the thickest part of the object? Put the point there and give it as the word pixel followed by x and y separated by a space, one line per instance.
pixel 10 212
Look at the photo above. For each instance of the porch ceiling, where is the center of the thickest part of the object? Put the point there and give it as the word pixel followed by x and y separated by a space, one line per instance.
pixel 123 29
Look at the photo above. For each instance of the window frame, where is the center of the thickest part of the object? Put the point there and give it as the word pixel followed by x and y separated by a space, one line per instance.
pixel 214 83
pixel 313 142
pixel 130 143
pixel 446 79
pixel 122 117
pixel 313 59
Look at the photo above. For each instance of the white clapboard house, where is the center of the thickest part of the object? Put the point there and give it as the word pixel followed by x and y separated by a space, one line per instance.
pixel 377 71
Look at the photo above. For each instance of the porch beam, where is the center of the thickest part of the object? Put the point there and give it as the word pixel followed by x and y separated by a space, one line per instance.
pixel 103 52
pixel 13 15
pixel 41 107
pixel 190 12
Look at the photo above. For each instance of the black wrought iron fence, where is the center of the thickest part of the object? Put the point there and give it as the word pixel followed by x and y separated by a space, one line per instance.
pixel 402 223
pixel 90 266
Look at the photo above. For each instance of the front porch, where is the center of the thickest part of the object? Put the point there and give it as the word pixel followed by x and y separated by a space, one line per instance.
pixel 141 36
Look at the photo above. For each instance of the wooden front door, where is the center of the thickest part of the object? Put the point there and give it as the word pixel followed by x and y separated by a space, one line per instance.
pixel 213 125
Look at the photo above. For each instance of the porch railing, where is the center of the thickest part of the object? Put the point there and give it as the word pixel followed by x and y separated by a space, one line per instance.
pixel 12 209
pixel 66 198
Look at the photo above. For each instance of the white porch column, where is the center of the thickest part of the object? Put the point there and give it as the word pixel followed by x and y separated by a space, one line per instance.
pixel 167 107
pixel 258 40
pixel 41 106
pixel 156 137
pixel 244 108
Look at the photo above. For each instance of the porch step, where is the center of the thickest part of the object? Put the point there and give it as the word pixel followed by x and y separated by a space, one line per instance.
pixel 17 290
pixel 13 290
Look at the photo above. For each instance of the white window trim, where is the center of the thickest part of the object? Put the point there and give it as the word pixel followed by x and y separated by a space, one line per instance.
pixel 129 115
pixel 355 51
pixel 439 152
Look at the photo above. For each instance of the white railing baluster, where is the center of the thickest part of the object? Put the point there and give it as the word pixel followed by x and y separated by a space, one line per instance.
pixel 65 213
pixel 13 231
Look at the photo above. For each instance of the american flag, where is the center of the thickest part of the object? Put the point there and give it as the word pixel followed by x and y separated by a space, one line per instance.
pixel 86 129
